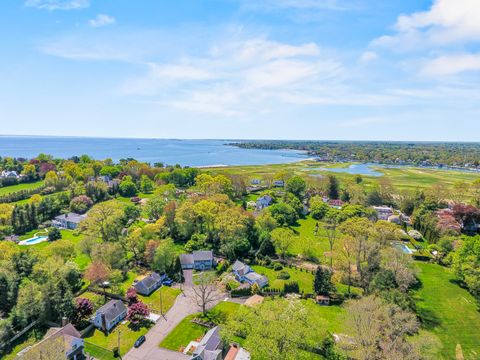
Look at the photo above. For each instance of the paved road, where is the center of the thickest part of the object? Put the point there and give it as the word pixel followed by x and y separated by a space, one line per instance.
pixel 184 305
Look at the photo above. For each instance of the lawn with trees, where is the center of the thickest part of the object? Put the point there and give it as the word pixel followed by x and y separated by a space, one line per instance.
pixel 320 237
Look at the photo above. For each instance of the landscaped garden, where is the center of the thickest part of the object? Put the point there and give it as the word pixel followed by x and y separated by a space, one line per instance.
pixel 278 279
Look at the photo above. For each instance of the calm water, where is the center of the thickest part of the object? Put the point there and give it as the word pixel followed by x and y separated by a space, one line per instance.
pixel 356 169
pixel 183 152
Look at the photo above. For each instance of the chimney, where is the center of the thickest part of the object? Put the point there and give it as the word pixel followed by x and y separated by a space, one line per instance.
pixel 64 321
pixel 104 322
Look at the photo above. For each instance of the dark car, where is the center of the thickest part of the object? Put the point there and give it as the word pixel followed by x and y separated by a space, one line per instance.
pixel 139 341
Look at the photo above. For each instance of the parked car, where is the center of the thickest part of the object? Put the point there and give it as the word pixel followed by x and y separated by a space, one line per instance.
pixel 167 282
pixel 139 341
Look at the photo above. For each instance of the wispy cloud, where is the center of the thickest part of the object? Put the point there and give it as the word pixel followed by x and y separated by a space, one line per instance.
pixel 58 4
pixel 451 64
pixel 102 20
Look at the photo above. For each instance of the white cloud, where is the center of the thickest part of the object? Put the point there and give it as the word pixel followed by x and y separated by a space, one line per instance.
pixel 451 64
pixel 446 22
pixel 102 20
pixel 368 56
pixel 236 77
pixel 58 4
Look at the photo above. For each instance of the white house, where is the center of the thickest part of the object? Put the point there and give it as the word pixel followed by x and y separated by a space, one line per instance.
pixel 245 274
pixel 68 221
pixel 149 284
pixel 109 315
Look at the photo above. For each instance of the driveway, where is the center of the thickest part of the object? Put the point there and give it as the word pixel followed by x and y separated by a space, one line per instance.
pixel 184 305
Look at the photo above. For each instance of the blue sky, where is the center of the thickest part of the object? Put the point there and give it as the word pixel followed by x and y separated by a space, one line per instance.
pixel 285 69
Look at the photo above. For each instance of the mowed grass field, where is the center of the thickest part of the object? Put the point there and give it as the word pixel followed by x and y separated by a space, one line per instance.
pixel 448 311
pixel 15 188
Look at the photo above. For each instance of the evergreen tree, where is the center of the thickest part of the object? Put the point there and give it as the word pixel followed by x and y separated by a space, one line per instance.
pixel 333 187
pixel 322 284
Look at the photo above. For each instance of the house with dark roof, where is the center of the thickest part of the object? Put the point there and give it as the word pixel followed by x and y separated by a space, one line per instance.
pixel 211 346
pixel 149 284
pixel 245 274
pixel 198 260
pixel 68 221
pixel 109 315
pixel 58 343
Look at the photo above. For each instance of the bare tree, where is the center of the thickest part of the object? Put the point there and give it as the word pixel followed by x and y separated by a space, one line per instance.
pixel 331 231
pixel 205 291
pixel 381 331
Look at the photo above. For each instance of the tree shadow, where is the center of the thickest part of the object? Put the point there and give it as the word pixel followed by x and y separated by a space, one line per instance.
pixel 145 323
pixel 428 318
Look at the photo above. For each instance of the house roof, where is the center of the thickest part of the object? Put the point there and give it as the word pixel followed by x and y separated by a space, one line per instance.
pixel 147 282
pixel 71 217
pixel 56 339
pixel 240 267
pixel 186 259
pixel 210 345
pixel 237 353
pixel 266 198
pixel 112 309
pixel 202 255
pixel 253 276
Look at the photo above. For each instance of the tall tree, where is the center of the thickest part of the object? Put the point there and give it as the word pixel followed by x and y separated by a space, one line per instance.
pixel 205 291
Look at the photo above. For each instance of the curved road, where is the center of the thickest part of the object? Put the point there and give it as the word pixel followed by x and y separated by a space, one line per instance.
pixel 184 305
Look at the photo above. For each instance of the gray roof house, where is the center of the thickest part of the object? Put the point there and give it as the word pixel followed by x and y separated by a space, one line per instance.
pixel 68 221
pixel 245 274
pixel 58 343
pixel 264 201
pixel 198 260
pixel 240 268
pixel 211 346
pixel 110 315
pixel 149 284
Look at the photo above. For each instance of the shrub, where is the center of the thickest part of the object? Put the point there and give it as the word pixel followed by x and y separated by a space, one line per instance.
pixel 277 267
pixel 283 275
pixel 292 287
pixel 81 204
pixel 54 234
pixel 241 292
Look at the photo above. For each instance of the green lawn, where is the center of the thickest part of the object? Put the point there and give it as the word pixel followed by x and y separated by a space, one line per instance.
pixel 187 331
pixel 304 278
pixel 306 242
pixel 169 295
pixel 15 188
pixel 43 249
pixel 328 318
pixel 110 341
pixel 448 311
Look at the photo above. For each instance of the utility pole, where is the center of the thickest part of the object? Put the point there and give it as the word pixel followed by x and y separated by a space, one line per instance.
pixel 161 301
pixel 118 343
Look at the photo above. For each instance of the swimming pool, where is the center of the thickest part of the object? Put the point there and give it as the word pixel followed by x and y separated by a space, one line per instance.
pixel 34 240
pixel 402 247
